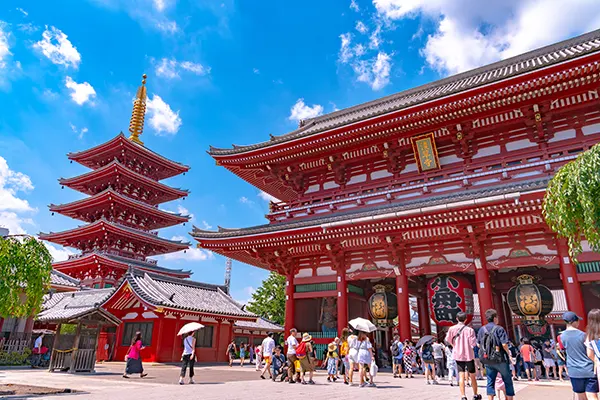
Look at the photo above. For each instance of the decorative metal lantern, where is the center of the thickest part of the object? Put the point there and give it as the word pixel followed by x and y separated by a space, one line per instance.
pixel 530 300
pixel 383 305
pixel 449 295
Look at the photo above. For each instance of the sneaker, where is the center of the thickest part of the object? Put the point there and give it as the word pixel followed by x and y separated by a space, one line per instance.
pixel 429 383
pixel 328 379
pixel 451 383
pixel 364 384
pixel 311 382
pixel 192 382
pixel 372 384
pixel 435 382
pixel 304 383
pixel 395 376
pixel 476 397
pixel 181 382
pixel 346 383
pixel 143 375
pixel 126 376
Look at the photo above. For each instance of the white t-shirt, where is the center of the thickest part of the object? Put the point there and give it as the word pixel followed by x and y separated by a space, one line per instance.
pixel 292 343
pixel 268 345
pixel 38 343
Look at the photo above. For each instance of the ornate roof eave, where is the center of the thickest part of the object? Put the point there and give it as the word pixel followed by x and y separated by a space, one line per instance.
pixel 174 218
pixel 116 228
pixel 496 72
pixel 121 140
pixel 109 168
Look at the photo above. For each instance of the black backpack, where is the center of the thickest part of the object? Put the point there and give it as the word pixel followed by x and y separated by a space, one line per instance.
pixel 491 348
pixel 427 353
pixel 395 349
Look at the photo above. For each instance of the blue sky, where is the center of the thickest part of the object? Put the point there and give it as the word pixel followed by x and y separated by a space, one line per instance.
pixel 223 72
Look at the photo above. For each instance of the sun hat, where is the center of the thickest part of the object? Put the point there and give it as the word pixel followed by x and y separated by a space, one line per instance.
pixel 306 337
pixel 331 347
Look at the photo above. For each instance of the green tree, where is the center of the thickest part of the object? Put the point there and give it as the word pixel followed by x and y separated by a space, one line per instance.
pixel 572 202
pixel 25 267
pixel 268 300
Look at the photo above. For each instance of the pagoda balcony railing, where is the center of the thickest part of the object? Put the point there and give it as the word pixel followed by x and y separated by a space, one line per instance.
pixel 116 253
pixel 451 180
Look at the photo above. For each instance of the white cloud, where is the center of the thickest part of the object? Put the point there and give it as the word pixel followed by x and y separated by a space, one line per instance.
pixel 375 37
pixel 206 225
pixel 245 200
pixel 256 71
pixel 57 252
pixel 56 46
pixel 162 118
pixel 167 26
pixel 191 254
pixel 244 295
pixel 28 28
pixel 375 72
pixel 361 27
pixel 160 5
pixel 79 132
pixel 359 50
pixel 345 49
pixel 354 6
pixel 267 197
pixel 301 111
pixel 471 33
pixel 80 92
pixel 4 47
pixel 169 68
pixel 25 13
pixel 184 211
pixel 12 207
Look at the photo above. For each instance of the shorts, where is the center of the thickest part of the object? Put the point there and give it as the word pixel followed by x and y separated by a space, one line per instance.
pixel 549 362
pixel 306 365
pixel 529 365
pixel 585 385
pixel 466 366
pixel 267 359
pixel 561 362
pixel 398 360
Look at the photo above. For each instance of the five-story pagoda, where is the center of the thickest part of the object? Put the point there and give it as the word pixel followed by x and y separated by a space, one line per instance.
pixel 121 211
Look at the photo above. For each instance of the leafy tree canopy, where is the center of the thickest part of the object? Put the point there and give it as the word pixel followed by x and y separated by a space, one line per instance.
pixel 25 267
pixel 572 203
pixel 268 300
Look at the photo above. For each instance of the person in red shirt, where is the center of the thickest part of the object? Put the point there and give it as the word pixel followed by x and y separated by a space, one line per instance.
pixel 528 355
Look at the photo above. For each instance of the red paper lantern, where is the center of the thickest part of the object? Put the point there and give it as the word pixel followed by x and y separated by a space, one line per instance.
pixel 449 295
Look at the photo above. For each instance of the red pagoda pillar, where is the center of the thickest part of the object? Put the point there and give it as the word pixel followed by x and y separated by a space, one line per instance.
pixel 499 306
pixel 289 302
pixel 484 287
pixel 403 301
pixel 570 281
pixel 423 311
pixel 342 301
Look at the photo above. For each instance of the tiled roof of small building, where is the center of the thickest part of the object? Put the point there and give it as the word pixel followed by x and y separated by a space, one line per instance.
pixel 464 195
pixel 61 279
pixel 72 305
pixel 514 66
pixel 260 325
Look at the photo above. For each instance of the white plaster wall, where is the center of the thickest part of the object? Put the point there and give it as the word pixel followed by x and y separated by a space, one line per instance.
pixel 487 151
pixel 304 273
pixel 380 174
pixel 330 185
pixel 312 188
pixel 357 179
pixel 325 271
pixel 591 129
pixel 563 135
pixel 519 144
pixel 449 160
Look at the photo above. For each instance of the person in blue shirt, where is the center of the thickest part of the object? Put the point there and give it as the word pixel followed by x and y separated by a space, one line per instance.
pixel 279 364
pixel 581 367
pixel 502 367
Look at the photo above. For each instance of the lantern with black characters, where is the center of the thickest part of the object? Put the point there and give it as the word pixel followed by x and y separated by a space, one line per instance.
pixel 449 295
pixel 383 305
pixel 530 300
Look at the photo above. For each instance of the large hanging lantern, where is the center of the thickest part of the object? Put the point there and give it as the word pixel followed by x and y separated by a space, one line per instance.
pixel 383 305
pixel 449 295
pixel 530 300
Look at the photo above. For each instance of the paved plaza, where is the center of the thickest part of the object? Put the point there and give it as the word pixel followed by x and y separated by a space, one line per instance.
pixel 222 382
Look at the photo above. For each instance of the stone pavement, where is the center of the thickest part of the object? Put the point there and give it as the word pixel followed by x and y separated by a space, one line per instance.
pixel 222 382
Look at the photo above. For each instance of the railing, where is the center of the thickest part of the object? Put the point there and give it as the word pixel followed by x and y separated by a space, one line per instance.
pixel 61 360
pixel 316 287
pixel 84 360
pixel 16 343
pixel 323 335
pixel 588 267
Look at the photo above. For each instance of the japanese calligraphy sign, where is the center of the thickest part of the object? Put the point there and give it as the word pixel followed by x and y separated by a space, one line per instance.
pixel 449 295
pixel 426 154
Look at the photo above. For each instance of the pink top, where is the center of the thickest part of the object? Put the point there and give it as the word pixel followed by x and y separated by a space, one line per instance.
pixel 134 350
pixel 463 345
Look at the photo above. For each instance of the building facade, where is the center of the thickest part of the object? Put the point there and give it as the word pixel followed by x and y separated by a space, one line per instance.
pixel 441 181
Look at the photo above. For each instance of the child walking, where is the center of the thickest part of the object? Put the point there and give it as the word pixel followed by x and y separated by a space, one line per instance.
pixel 451 364
pixel 332 362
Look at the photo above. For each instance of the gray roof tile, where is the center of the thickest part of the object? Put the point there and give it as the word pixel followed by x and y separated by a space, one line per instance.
pixel 261 324
pixel 62 279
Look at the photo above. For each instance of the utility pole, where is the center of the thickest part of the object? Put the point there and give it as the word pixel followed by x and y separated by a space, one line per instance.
pixel 228 274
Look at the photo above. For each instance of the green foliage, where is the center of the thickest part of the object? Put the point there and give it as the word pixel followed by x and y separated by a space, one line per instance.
pixel 268 300
pixel 25 266
pixel 572 203
pixel 14 358
pixel 68 329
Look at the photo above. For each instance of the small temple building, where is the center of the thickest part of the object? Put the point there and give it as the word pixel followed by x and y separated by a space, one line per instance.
pixel 434 193
pixel 121 285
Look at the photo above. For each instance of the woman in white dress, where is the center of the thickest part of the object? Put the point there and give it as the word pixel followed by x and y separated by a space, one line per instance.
pixel 365 356
pixel 352 355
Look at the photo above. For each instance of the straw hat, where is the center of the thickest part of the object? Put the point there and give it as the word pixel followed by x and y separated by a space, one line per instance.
pixel 306 337
pixel 331 347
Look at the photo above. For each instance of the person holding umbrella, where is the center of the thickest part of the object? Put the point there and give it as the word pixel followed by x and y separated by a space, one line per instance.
pixel 365 348
pixel 188 357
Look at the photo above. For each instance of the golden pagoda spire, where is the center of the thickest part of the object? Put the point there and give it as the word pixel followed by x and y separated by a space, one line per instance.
pixel 136 125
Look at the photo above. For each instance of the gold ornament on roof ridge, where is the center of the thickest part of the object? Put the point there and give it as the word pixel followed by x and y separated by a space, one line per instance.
pixel 136 124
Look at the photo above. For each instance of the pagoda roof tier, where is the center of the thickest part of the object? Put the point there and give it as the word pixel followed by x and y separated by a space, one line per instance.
pixel 123 180
pixel 117 207
pixel 104 234
pixel 89 264
pixel 62 281
pixel 127 151
pixel 434 214
pixel 541 58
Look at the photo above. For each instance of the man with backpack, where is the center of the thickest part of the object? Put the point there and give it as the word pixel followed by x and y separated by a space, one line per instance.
pixel 494 354
pixel 462 338
pixel 397 352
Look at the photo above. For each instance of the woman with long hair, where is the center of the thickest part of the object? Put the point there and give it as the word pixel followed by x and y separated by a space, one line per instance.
pixel 593 338
pixel 134 358
pixel 409 358
pixel 365 356
pixel 243 351
pixel 188 357
pixel 344 348
pixel 352 354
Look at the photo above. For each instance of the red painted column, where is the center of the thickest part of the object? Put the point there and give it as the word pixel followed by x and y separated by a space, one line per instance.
pixel 403 301
pixel 289 303
pixel 571 283
pixel 423 311
pixel 484 287
pixel 342 301
pixel 218 341
pixel 499 306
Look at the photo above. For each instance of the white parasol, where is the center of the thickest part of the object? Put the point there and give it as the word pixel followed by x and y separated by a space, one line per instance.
pixel 363 325
pixel 191 327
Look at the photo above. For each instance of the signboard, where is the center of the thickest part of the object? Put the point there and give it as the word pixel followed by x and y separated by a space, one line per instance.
pixel 426 154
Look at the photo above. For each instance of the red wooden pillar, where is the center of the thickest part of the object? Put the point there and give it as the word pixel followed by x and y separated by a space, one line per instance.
pixel 484 287
pixel 403 300
pixel 571 283
pixel 1 323
pixel 218 341
pixel 499 306
pixel 342 301
pixel 423 311
pixel 289 303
